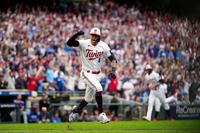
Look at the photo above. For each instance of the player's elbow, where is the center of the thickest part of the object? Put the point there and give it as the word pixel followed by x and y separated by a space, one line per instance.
pixel 72 43
pixel 69 42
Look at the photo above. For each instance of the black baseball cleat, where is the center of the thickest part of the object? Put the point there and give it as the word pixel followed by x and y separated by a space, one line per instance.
pixel 74 114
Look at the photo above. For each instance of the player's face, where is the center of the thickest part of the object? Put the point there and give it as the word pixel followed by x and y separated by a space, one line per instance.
pixel 94 39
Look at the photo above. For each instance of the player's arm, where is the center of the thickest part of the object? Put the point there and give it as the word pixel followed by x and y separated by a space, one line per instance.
pixel 113 60
pixel 72 42
pixel 155 84
pixel 113 65
pixel 152 86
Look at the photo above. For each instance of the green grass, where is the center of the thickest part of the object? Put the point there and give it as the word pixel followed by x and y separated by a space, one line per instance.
pixel 178 126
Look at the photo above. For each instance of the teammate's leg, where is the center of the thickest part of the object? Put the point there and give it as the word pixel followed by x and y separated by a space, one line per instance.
pixel 150 105
pixel 171 99
pixel 157 108
pixel 162 99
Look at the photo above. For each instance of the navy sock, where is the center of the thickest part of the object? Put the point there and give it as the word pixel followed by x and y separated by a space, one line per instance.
pixel 168 113
pixel 99 101
pixel 80 107
pixel 156 114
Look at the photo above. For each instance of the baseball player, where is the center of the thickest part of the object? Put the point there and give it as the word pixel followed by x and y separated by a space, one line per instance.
pixel 93 52
pixel 152 79
pixel 163 90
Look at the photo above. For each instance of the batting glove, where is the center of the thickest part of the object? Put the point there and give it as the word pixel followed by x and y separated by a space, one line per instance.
pixel 80 33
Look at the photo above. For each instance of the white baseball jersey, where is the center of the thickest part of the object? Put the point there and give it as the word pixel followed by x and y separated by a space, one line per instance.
pixel 152 78
pixel 163 88
pixel 92 57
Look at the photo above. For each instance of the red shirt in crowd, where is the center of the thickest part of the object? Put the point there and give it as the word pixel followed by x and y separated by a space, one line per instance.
pixel 33 82
pixel 113 85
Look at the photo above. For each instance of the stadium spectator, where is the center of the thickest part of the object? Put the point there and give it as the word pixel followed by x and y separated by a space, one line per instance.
pixel 44 103
pixel 34 116
pixel 112 86
pixel 10 79
pixel 33 81
pixel 44 116
pixel 21 82
pixel 84 115
pixel 56 118
pixel 20 104
pixel 114 108
pixel 3 83
pixel 94 115
pixel 60 83
pixel 128 89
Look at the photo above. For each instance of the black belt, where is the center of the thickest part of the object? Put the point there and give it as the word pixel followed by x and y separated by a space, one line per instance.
pixel 93 72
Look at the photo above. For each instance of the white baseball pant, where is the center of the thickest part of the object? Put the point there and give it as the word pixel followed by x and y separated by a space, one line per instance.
pixel 92 82
pixel 167 100
pixel 152 98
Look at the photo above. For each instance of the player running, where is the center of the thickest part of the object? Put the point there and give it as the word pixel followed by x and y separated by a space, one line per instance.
pixel 93 52
pixel 163 90
pixel 152 79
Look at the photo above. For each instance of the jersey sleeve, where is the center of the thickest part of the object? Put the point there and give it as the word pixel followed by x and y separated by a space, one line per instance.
pixel 106 50
pixel 82 43
pixel 157 77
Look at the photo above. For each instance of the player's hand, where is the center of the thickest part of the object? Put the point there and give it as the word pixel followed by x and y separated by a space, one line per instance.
pixel 153 86
pixel 112 74
pixel 79 33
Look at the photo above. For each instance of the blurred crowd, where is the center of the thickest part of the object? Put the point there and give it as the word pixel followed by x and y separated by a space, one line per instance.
pixel 34 54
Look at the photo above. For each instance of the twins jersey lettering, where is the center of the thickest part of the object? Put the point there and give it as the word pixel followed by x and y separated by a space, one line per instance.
pixel 92 57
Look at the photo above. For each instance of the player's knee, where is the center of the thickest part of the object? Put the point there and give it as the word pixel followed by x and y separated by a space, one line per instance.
pixel 157 108
pixel 88 99
pixel 151 102
pixel 99 88
pixel 166 107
